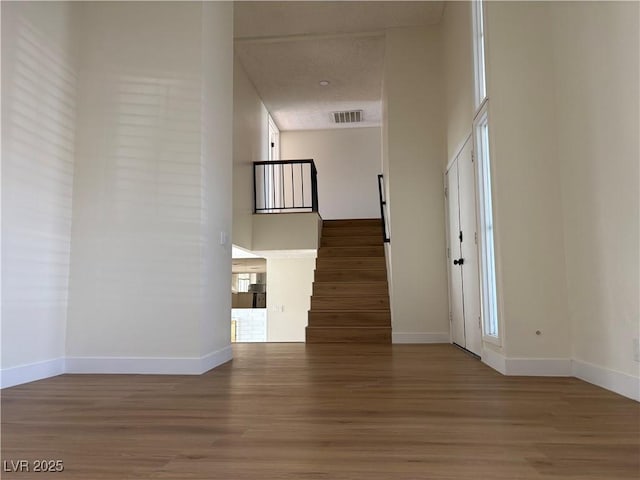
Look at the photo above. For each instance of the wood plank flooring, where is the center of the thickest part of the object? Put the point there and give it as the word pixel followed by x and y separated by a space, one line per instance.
pixel 327 411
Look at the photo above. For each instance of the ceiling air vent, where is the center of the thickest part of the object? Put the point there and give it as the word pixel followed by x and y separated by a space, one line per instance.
pixel 350 116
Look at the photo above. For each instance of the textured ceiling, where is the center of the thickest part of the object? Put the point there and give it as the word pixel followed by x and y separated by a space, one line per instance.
pixel 287 76
pixel 269 19
pixel 287 48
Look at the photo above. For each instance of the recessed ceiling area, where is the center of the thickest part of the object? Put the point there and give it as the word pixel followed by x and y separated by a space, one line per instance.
pixel 248 265
pixel 288 48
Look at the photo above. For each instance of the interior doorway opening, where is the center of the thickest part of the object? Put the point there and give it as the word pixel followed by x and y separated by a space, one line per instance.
pixel 249 300
pixel 271 295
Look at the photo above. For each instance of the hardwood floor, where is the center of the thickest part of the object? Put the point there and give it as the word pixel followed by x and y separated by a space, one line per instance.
pixel 295 411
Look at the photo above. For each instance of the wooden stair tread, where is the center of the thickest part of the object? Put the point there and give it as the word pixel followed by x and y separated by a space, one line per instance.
pixel 354 327
pixel 351 276
pixel 372 264
pixel 343 312
pixel 376 296
pixel 348 334
pixel 352 231
pixel 371 240
pixel 349 311
pixel 376 268
pixel 347 222
pixel 350 289
pixel 343 251
pixel 331 318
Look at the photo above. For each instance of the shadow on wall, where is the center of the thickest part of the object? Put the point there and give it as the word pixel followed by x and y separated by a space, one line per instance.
pixel 38 113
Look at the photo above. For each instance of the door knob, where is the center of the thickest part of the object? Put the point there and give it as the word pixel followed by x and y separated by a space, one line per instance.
pixel 459 261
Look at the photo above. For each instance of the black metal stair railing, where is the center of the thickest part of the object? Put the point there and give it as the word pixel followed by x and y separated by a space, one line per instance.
pixel 281 186
pixel 383 209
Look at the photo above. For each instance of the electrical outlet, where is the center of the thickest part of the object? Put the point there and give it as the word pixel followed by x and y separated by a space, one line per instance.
pixel 636 349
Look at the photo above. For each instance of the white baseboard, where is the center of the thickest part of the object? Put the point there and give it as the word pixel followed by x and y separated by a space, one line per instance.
pixel 535 367
pixel 495 360
pixel 134 365
pixel 149 365
pixel 618 382
pixel 216 358
pixel 538 367
pixel 31 372
pixel 10 377
pixel 420 337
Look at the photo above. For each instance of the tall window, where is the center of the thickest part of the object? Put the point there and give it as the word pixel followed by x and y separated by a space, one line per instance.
pixel 485 218
pixel 490 324
pixel 478 52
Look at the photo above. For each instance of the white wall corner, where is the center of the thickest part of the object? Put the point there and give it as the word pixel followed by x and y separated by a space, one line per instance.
pixel 618 382
pixel 538 367
pixel 495 360
pixel 10 377
pixel 420 337
pixel 216 358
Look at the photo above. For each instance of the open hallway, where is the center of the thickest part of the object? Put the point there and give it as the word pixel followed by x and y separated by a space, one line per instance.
pixel 295 411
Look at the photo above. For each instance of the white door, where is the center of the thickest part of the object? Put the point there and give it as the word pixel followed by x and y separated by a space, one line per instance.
pixel 469 250
pixel 274 140
pixel 274 173
pixel 453 253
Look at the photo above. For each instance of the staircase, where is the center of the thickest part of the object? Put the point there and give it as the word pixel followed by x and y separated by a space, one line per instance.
pixel 350 302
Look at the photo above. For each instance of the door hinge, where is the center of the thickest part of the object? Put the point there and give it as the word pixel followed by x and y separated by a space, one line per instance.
pixel 475 236
pixel 448 252
pixel 450 317
pixel 473 156
pixel 460 236
pixel 446 192
pixel 479 323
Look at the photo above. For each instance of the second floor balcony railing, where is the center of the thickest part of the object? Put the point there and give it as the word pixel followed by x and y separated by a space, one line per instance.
pixel 281 186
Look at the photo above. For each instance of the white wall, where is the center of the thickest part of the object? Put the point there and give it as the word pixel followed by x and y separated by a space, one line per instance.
pixel 596 52
pixel 250 144
pixel 38 131
pixel 564 120
pixel 458 71
pixel 415 153
pixel 530 250
pixel 289 288
pixel 136 229
pixel 287 231
pixel 348 163
pixel 152 186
